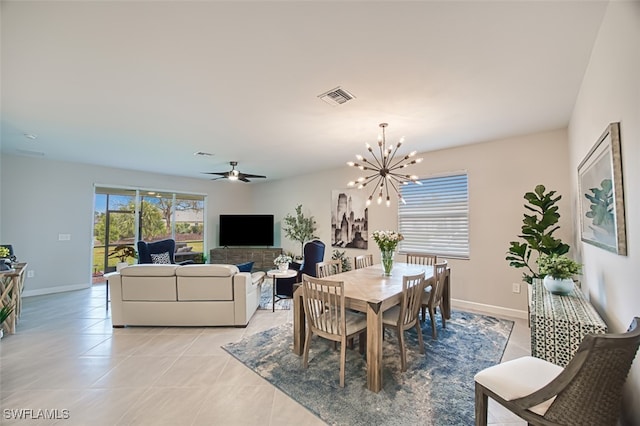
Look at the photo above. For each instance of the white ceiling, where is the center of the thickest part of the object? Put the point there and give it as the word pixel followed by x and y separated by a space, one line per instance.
pixel 144 85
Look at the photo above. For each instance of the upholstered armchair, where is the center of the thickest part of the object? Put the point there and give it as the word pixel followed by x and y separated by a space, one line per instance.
pixel 313 253
pixel 158 252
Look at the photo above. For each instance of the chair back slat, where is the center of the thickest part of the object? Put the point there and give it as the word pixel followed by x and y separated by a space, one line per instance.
pixel 412 289
pixel 363 261
pixel 330 267
pixel 422 259
pixel 439 276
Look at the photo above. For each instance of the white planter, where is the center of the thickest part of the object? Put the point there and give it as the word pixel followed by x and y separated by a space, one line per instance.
pixel 121 265
pixel 283 266
pixel 558 286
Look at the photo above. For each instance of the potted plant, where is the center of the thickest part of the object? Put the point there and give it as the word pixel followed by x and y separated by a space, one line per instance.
pixel 282 262
pixel 5 312
pixel 537 232
pixel 558 271
pixel 344 260
pixel 123 252
pixel 299 228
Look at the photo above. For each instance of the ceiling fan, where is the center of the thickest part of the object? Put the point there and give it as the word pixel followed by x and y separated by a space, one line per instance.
pixel 234 174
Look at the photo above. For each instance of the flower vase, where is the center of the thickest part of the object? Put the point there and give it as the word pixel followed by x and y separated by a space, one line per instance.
pixel 387 261
pixel 283 266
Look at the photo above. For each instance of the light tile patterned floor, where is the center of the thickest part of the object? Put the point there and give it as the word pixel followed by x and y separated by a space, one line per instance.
pixel 67 359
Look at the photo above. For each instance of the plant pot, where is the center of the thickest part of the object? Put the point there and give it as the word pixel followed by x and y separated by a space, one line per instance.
pixel 121 265
pixel 283 266
pixel 561 287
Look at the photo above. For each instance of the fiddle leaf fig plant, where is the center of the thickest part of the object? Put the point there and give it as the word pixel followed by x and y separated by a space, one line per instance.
pixel 537 232
pixel 299 228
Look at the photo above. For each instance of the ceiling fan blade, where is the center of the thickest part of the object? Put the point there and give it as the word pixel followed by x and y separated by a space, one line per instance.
pixel 252 176
pixel 216 173
pixel 243 178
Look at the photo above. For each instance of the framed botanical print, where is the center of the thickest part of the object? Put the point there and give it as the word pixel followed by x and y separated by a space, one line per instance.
pixel 601 194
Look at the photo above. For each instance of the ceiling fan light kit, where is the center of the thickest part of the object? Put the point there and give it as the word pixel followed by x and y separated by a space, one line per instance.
pixel 234 174
pixel 384 169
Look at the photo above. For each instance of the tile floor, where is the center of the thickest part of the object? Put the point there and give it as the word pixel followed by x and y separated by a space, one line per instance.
pixel 67 359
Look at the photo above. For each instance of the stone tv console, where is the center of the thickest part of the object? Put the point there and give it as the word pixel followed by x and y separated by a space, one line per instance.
pixel 262 257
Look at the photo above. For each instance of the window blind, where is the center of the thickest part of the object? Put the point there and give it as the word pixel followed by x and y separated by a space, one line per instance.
pixel 435 218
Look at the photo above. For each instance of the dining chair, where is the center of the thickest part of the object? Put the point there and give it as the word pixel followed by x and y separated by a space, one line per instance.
pixel 588 391
pixel 422 259
pixel 432 298
pixel 327 268
pixel 363 261
pixel 326 316
pixel 404 316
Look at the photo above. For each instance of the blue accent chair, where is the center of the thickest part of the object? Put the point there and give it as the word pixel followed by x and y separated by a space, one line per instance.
pixel 313 253
pixel 145 250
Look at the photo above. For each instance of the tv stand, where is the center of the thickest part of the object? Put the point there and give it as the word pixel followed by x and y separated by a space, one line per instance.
pixel 262 257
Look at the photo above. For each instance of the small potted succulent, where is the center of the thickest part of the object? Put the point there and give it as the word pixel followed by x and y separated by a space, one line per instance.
pixel 5 312
pixel 282 262
pixel 558 271
pixel 123 252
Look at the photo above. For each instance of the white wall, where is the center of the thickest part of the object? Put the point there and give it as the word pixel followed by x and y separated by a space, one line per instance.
pixel 44 198
pixel 500 172
pixel 610 92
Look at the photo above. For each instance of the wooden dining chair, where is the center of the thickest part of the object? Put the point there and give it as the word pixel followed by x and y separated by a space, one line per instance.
pixel 327 268
pixel 363 261
pixel 326 316
pixel 422 259
pixel 588 391
pixel 432 299
pixel 404 316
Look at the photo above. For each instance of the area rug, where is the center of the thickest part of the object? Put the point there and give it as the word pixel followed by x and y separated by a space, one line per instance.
pixel 266 298
pixel 436 389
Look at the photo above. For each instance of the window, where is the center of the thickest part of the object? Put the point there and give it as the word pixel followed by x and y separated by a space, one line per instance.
pixel 435 218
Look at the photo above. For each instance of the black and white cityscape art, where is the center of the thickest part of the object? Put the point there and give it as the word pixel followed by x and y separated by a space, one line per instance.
pixel 349 219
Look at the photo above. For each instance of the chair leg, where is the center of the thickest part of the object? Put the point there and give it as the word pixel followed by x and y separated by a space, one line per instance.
pixel 434 333
pixel 482 401
pixel 307 343
pixel 444 321
pixel 423 309
pixel 362 342
pixel 343 360
pixel 403 352
pixel 420 341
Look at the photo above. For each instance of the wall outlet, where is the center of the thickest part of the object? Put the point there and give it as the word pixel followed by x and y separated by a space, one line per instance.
pixel 515 287
pixel 64 237
pixel 30 273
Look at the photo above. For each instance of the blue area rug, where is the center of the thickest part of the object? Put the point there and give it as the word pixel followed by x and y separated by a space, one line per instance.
pixel 436 389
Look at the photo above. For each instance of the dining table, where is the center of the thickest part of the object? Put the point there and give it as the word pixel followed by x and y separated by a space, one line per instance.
pixel 369 291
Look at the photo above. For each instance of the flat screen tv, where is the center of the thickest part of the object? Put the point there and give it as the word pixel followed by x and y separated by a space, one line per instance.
pixel 246 230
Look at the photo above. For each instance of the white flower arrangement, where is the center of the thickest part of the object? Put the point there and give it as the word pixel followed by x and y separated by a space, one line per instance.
pixel 387 240
pixel 282 260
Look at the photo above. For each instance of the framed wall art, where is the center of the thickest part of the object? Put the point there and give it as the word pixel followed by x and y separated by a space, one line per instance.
pixel 349 219
pixel 601 194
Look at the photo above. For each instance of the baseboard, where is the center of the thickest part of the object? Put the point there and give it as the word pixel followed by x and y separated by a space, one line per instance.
pixel 489 309
pixel 52 290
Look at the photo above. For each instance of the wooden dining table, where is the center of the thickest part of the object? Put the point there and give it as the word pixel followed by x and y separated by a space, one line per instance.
pixel 367 290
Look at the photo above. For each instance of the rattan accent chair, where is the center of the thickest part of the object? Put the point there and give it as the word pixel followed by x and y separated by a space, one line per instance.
pixel 587 392
pixel 422 259
pixel 326 316
pixel 363 261
pixel 432 297
pixel 327 268
pixel 404 316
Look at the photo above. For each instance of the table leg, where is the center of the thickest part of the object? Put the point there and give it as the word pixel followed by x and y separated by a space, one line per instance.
pixel 374 347
pixel 446 296
pixel 299 323
pixel 273 288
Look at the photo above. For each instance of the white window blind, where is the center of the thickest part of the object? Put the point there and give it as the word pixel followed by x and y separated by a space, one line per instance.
pixel 435 218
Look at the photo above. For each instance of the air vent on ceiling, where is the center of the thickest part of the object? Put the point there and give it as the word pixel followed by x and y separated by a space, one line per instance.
pixel 336 96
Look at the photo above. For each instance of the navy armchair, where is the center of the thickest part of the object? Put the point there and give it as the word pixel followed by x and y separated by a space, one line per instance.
pixel 313 253
pixel 158 252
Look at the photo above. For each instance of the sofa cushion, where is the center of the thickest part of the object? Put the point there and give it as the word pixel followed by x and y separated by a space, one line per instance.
pixel 245 267
pixel 215 270
pixel 160 258
pixel 149 270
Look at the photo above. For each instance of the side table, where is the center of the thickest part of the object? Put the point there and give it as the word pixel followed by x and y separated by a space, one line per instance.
pixel 275 274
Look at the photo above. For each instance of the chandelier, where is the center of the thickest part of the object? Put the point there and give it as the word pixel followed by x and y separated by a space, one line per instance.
pixel 384 170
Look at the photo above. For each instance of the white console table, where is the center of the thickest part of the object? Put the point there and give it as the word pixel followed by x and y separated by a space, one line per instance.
pixel 559 323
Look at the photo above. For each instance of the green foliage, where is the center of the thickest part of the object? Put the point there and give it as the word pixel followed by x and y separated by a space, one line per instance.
pixel 601 208
pixel 299 228
pixel 557 266
pixel 122 226
pixel 537 232
pixel 123 252
pixel 340 255
pixel 5 311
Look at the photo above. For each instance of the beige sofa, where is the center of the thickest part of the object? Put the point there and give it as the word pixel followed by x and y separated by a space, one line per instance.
pixel 189 295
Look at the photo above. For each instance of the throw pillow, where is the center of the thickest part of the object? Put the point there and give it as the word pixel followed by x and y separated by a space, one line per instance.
pixel 245 267
pixel 161 258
